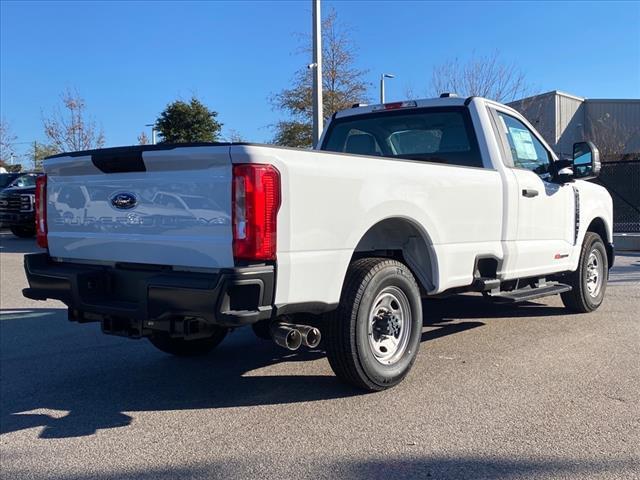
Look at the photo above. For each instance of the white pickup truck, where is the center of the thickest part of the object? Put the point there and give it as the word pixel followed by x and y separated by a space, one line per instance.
pixel 400 201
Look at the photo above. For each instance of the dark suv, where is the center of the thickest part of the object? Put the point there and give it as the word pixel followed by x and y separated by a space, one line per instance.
pixel 17 206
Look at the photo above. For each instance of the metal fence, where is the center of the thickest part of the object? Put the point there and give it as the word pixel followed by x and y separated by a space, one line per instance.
pixel 622 179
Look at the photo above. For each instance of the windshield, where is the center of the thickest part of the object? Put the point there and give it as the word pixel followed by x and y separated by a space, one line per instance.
pixel 434 134
pixel 24 181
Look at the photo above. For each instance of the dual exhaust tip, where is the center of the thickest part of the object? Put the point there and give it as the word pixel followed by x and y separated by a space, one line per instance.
pixel 292 337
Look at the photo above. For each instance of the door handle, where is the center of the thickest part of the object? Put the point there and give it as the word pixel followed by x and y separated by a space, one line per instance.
pixel 529 192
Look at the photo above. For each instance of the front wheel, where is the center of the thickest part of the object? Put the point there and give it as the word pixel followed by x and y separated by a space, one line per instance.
pixel 374 335
pixel 589 281
pixel 188 348
pixel 23 232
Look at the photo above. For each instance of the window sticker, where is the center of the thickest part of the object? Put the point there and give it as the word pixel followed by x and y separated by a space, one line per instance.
pixel 523 142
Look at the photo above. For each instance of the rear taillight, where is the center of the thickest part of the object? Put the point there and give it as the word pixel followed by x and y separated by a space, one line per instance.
pixel 256 199
pixel 41 211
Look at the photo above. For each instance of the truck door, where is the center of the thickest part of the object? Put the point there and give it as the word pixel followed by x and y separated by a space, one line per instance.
pixel 544 234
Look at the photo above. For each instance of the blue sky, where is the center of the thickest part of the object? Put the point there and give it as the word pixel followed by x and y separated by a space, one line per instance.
pixel 129 59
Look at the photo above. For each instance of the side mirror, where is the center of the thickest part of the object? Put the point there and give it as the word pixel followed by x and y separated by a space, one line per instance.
pixel 586 160
pixel 562 171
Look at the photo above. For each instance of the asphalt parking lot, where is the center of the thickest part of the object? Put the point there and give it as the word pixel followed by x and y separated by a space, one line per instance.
pixel 497 392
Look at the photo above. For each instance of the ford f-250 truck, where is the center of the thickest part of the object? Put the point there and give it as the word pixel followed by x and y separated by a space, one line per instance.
pixel 399 201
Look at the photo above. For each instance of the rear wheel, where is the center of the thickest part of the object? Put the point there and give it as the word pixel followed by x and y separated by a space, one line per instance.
pixel 187 348
pixel 589 281
pixel 23 232
pixel 374 335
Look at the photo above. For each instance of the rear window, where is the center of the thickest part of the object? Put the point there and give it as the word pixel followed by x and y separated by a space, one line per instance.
pixel 443 135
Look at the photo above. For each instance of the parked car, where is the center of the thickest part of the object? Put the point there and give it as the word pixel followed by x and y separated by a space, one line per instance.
pixel 399 201
pixel 17 201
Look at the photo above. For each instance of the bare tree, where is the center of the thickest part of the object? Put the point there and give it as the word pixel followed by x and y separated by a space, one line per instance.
pixel 143 139
pixel 342 84
pixel 234 136
pixel 485 77
pixel 69 128
pixel 612 137
pixel 7 141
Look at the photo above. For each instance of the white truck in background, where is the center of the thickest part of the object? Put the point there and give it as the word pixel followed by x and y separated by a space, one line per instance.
pixel 400 201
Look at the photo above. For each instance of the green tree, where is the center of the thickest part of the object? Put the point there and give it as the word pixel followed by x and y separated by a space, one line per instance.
pixel 183 122
pixel 342 85
pixel 293 134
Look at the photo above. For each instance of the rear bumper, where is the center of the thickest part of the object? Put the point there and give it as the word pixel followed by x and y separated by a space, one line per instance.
pixel 135 300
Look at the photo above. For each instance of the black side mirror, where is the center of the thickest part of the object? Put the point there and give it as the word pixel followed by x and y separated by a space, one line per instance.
pixel 562 171
pixel 586 160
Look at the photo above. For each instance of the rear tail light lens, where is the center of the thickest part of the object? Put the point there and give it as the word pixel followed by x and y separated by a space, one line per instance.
pixel 256 200
pixel 41 211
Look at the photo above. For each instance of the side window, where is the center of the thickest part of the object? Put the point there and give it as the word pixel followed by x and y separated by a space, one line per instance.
pixel 526 150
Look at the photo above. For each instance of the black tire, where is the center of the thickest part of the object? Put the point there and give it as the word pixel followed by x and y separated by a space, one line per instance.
pixel 187 348
pixel 23 232
pixel 349 350
pixel 580 299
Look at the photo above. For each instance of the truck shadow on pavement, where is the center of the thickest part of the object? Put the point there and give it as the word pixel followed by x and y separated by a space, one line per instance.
pixel 72 380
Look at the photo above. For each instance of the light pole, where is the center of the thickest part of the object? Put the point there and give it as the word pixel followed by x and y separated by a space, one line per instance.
pixel 153 132
pixel 317 71
pixel 382 77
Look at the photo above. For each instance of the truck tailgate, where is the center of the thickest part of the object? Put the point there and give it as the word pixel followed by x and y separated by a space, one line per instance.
pixel 161 206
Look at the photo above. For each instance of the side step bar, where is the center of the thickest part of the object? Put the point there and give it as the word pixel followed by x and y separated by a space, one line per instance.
pixel 485 284
pixel 526 294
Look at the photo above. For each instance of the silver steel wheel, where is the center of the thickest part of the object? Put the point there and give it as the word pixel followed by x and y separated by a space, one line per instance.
pixel 594 273
pixel 389 325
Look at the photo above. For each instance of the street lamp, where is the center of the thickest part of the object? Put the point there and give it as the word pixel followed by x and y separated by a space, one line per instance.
pixel 153 132
pixel 382 77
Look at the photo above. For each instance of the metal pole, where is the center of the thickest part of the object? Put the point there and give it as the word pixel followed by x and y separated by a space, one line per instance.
pixel 382 77
pixel 317 72
pixel 153 135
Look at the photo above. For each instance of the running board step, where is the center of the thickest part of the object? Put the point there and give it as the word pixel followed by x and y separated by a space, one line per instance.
pixel 526 294
pixel 484 284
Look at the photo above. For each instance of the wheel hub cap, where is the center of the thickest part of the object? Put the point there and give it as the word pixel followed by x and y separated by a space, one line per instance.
pixel 594 273
pixel 389 326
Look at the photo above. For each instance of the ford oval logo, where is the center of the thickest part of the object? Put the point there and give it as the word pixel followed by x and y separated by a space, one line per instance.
pixel 124 200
